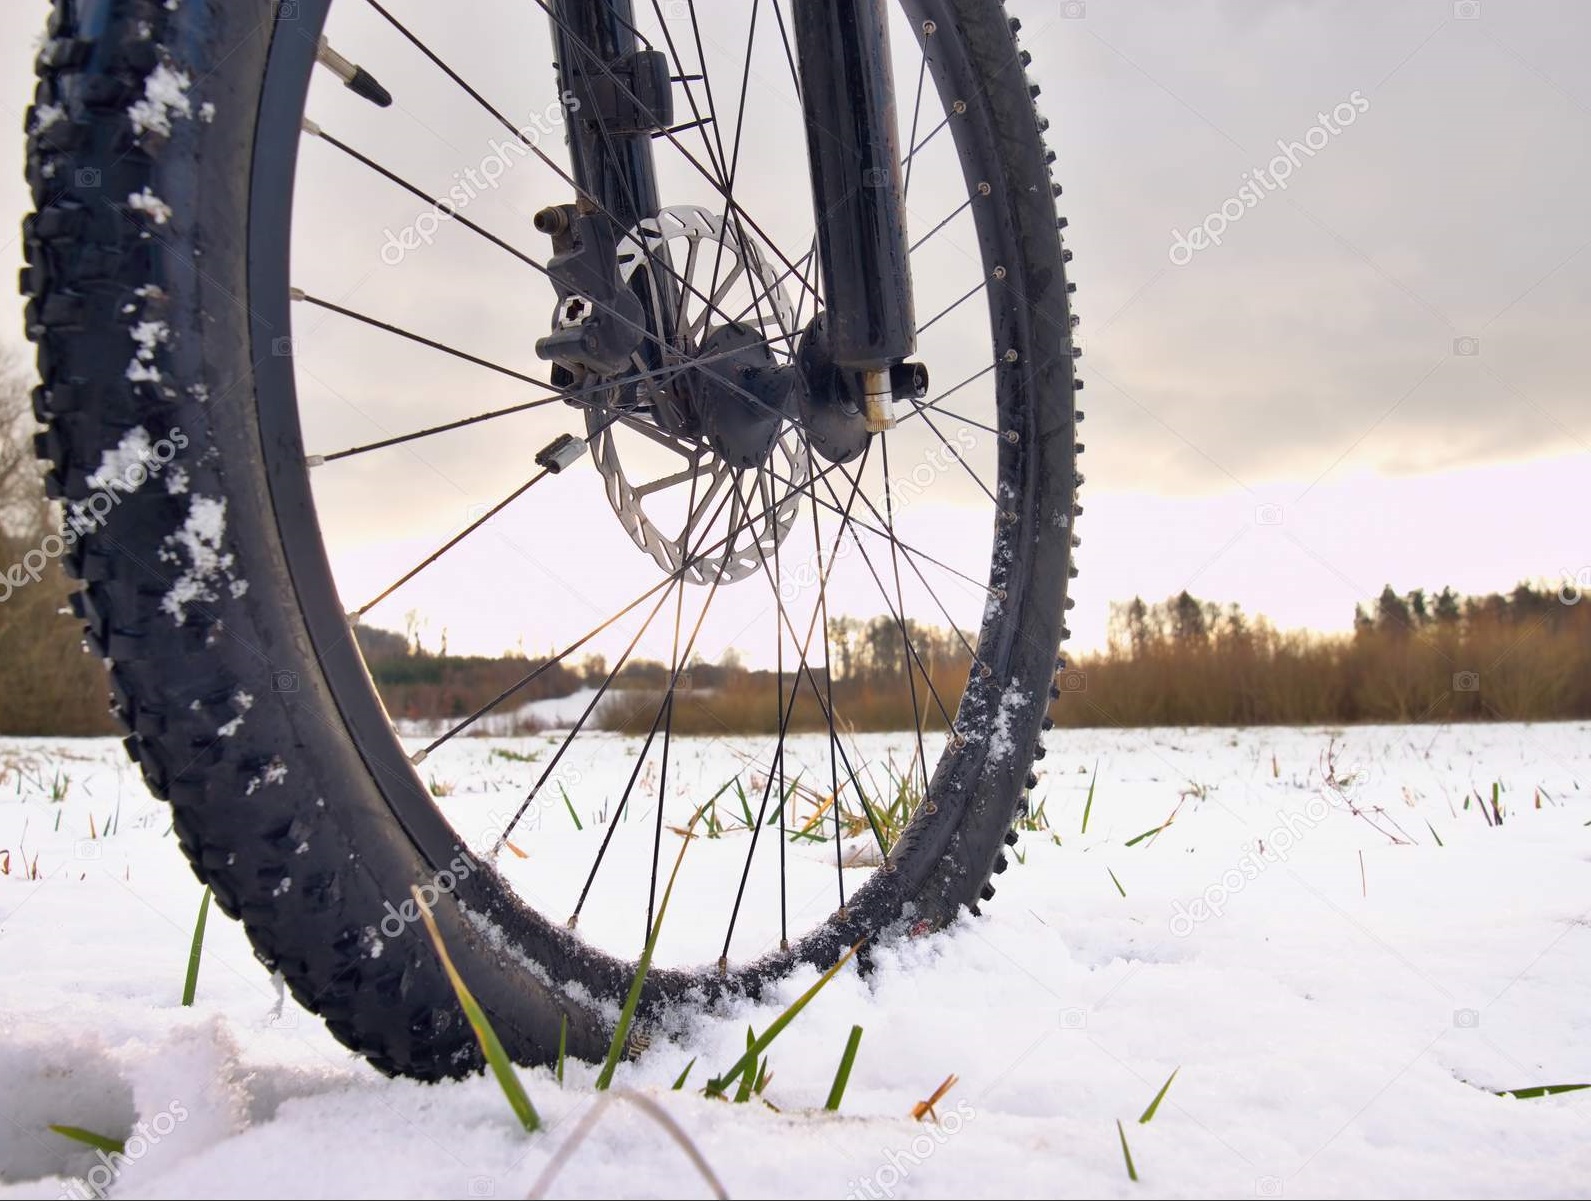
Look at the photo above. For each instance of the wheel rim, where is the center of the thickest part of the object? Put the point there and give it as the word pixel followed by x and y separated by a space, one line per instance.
pixel 1006 419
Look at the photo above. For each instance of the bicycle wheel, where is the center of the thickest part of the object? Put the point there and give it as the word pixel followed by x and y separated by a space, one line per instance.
pixel 195 336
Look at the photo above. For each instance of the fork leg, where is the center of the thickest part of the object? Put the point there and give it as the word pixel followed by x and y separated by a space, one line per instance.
pixel 857 195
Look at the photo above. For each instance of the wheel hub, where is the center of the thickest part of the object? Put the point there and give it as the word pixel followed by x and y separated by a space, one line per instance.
pixel 743 395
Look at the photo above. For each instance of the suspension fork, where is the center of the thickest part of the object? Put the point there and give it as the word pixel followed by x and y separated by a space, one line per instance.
pixel 602 73
pixel 616 94
pixel 853 147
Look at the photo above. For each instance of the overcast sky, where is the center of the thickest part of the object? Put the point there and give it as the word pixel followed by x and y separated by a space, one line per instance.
pixel 1378 376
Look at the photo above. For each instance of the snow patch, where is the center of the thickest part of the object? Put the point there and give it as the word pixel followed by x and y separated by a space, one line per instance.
pixel 165 93
pixel 148 336
pixel 115 464
pixel 1002 741
pixel 47 115
pixel 275 772
pixel 147 202
pixel 243 703
pixel 197 546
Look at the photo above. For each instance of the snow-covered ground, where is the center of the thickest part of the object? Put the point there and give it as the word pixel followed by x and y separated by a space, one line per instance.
pixel 553 713
pixel 1340 992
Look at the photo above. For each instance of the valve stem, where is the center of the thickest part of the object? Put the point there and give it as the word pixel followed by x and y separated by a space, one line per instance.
pixel 358 81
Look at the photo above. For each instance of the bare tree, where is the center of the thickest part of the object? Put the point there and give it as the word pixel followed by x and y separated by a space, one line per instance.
pixel 48 685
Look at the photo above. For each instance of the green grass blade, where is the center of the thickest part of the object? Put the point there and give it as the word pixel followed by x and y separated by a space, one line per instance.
pixel 743 1093
pixel 1116 882
pixel 680 1083
pixel 1541 1090
pixel 191 984
pixel 1132 1172
pixel 842 1076
pixel 1159 1097
pixel 748 1061
pixel 621 1032
pixel 491 1046
pixel 872 823
pixel 1088 805
pixel 111 1146
pixel 1434 834
pixel 1147 834
pixel 569 805
pixel 563 1044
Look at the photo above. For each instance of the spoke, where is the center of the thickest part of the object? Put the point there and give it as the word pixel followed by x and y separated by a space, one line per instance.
pixel 922 409
pixel 673 682
pixel 591 707
pixel 465 222
pixel 707 87
pixel 786 711
pixel 923 580
pixel 576 395
pixel 400 439
pixel 663 438
pixel 579 725
pixel 900 603
pixel 789 54
pixel 531 676
pixel 734 162
pixel 917 112
pixel 932 133
pixel 699 325
pixel 376 323
pixel 487 105
pixel 959 209
pixel 968 295
pixel 452 542
pixel 481 100
pixel 934 403
pixel 700 121
pixel 716 182
pixel 668 728
pixel 828 677
pixel 956 455
pixel 899 616
pixel 905 547
pixel 778 692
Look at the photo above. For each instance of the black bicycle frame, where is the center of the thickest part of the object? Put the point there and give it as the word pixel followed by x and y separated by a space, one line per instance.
pixel 620 97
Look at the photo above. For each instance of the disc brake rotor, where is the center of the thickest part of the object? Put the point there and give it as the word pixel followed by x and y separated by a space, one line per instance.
pixel 675 495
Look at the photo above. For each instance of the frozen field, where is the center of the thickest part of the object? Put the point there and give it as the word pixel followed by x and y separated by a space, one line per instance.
pixel 1344 959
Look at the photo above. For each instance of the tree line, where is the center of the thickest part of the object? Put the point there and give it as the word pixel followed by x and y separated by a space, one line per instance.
pixel 1414 656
